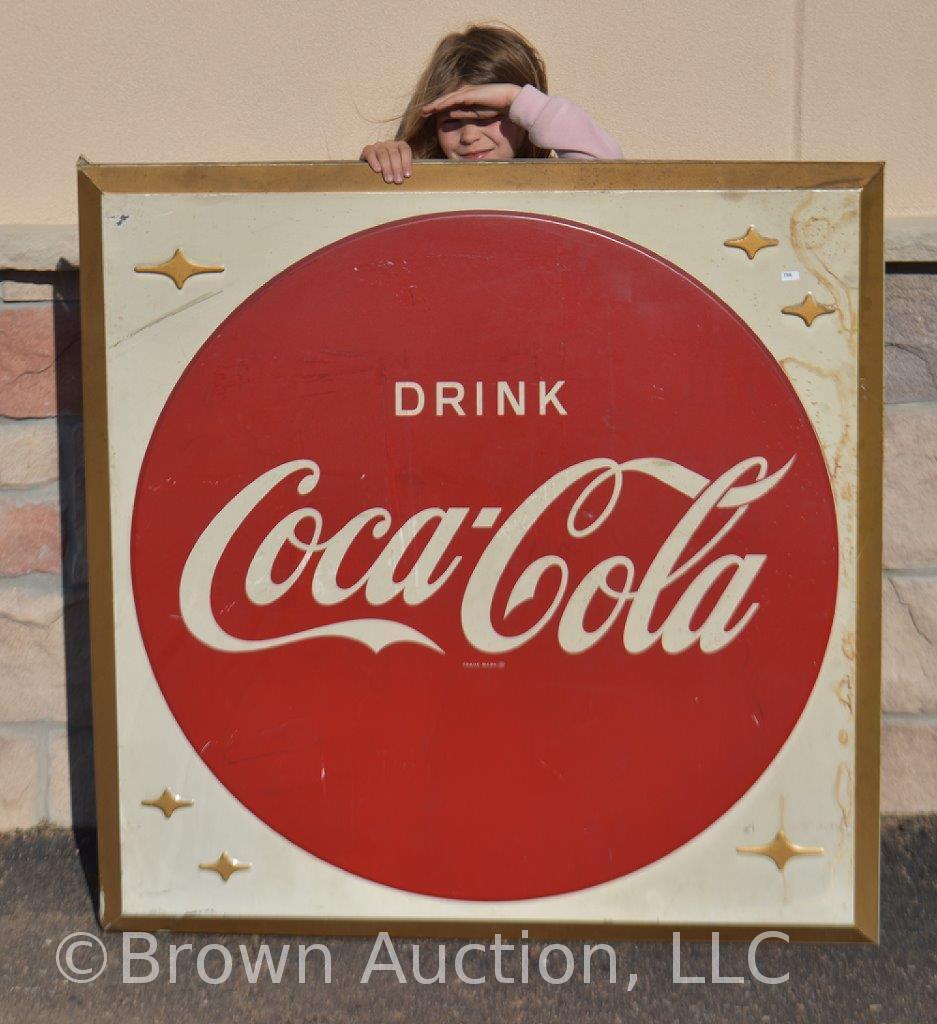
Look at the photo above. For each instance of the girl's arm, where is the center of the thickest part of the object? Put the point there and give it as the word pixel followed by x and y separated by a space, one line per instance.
pixel 558 124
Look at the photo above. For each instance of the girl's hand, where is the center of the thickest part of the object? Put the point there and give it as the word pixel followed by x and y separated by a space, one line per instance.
pixel 473 102
pixel 393 159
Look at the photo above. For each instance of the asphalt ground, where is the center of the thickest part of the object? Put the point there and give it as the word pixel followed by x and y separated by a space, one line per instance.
pixel 47 886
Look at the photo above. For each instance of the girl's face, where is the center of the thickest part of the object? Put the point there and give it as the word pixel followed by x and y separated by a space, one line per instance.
pixel 487 138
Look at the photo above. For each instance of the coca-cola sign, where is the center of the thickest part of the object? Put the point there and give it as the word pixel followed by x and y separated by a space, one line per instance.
pixel 485 555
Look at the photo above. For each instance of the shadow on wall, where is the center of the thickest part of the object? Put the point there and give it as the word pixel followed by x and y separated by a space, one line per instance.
pixel 67 338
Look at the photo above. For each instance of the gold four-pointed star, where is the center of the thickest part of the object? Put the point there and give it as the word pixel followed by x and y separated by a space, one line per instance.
pixel 226 865
pixel 781 850
pixel 809 309
pixel 179 268
pixel 168 802
pixel 751 242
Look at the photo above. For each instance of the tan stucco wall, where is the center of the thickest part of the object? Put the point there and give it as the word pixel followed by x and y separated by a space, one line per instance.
pixel 140 80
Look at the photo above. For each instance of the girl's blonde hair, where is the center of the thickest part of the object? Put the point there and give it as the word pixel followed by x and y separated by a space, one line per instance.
pixel 481 55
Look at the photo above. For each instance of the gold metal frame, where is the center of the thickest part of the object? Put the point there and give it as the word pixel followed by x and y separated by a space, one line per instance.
pixel 94 180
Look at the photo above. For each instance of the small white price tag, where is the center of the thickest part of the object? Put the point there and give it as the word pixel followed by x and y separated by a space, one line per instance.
pixel 790 275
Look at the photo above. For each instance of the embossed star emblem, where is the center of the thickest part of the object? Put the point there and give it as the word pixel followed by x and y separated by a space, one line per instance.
pixel 781 850
pixel 809 309
pixel 226 865
pixel 179 268
pixel 168 802
pixel 751 243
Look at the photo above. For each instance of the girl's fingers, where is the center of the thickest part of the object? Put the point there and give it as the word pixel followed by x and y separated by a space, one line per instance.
pixel 392 160
pixel 386 168
pixel 450 98
pixel 376 159
pixel 396 163
pixel 370 153
pixel 464 103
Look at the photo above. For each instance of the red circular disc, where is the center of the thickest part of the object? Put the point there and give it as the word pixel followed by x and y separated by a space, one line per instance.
pixel 455 761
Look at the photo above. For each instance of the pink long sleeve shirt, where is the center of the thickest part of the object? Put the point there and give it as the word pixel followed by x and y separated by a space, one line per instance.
pixel 558 124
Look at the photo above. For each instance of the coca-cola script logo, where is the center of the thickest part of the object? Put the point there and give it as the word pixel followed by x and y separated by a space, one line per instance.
pixel 485 555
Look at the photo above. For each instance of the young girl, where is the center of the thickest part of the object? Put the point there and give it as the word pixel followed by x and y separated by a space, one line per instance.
pixel 483 97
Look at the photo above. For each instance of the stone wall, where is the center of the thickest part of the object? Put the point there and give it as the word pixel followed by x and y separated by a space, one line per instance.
pixel 909 661
pixel 45 715
pixel 45 707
